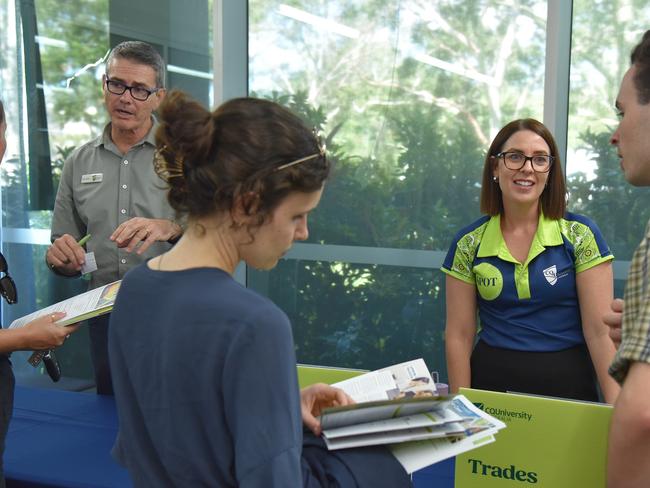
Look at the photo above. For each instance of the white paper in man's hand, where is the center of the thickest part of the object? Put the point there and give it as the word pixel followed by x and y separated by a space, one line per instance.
pixel 90 265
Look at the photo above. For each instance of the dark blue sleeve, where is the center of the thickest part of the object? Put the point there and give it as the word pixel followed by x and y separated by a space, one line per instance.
pixel 262 404
pixel 595 230
pixel 261 401
pixel 589 246
pixel 462 250
pixel 451 252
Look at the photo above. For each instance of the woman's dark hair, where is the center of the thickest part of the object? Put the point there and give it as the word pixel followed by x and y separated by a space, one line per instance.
pixel 240 151
pixel 640 58
pixel 2 112
pixel 553 197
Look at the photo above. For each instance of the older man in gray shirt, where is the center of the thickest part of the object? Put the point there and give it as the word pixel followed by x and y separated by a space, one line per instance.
pixel 109 189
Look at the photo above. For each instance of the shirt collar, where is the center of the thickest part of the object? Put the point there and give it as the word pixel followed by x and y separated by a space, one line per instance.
pixel 548 234
pixel 150 138
pixel 548 231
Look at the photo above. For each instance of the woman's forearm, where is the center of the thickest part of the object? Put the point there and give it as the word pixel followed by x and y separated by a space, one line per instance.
pixel 458 366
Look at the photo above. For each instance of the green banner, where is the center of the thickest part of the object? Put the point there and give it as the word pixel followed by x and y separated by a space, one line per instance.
pixel 548 443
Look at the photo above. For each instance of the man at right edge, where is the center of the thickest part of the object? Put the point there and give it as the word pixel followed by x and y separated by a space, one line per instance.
pixel 628 457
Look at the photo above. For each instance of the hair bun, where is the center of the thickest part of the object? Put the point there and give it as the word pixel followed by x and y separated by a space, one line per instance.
pixel 167 164
pixel 185 135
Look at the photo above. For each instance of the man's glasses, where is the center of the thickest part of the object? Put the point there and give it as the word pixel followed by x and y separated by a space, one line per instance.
pixel 541 163
pixel 138 92
pixel 7 285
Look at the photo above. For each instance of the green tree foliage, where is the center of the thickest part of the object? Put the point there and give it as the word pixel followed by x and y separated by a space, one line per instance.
pixel 80 35
pixel 407 100
pixel 621 210
pixel 376 313
pixel 409 148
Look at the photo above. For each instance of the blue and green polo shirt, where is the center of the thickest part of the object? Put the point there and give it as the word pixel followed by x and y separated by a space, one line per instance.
pixel 529 306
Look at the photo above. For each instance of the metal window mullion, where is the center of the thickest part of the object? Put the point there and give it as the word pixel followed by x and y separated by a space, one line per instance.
pixel 230 62
pixel 558 67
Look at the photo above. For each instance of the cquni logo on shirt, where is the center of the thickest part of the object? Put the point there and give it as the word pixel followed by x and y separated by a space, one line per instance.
pixel 489 281
pixel 550 274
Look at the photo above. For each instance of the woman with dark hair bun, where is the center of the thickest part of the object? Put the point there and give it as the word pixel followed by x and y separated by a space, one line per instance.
pixel 539 277
pixel 41 333
pixel 204 369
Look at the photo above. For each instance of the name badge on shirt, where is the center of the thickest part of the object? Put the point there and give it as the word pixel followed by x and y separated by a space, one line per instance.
pixel 92 178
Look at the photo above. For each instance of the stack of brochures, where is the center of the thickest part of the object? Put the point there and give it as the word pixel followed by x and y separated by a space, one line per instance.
pixel 400 406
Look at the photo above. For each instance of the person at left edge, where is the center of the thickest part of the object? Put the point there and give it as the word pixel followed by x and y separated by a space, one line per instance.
pixel 41 333
pixel 109 189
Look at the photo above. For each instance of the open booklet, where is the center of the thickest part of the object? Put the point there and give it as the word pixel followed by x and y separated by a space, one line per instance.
pixel 92 303
pixel 399 405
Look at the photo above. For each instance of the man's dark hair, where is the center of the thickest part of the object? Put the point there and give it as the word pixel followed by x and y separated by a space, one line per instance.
pixel 141 53
pixel 640 58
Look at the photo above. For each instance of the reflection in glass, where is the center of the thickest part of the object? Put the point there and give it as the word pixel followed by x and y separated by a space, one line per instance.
pixel 603 36
pixel 408 95
pixel 359 316
pixel 52 87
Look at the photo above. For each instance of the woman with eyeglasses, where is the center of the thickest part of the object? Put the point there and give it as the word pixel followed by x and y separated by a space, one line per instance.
pixel 204 369
pixel 539 277
pixel 41 333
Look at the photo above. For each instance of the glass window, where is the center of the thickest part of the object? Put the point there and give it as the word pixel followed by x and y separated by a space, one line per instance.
pixel 408 96
pixel 603 36
pixel 53 53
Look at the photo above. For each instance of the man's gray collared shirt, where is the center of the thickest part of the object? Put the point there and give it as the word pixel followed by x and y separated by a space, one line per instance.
pixel 101 188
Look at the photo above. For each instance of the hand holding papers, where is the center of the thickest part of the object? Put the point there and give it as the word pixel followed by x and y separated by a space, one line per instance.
pixel 80 307
pixel 399 405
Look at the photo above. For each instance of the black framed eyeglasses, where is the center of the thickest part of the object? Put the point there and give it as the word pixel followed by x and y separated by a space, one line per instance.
pixel 7 285
pixel 541 163
pixel 140 93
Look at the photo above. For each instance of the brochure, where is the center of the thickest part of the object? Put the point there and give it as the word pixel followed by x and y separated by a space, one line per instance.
pixel 92 303
pixel 399 406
